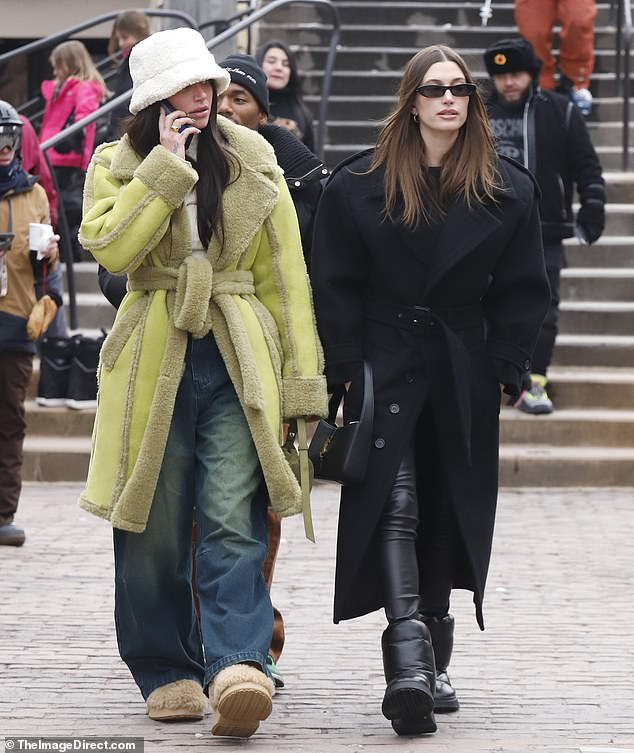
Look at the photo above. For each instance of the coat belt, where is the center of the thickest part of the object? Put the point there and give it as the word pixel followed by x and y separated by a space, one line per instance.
pixel 426 322
pixel 196 286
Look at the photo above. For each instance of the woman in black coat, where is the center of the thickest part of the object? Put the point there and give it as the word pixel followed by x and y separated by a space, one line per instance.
pixel 427 263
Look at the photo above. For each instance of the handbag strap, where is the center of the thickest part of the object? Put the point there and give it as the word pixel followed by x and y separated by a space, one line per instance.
pixel 367 407
pixel 304 478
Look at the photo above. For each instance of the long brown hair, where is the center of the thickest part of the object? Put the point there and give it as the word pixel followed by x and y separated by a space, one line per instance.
pixel 215 164
pixel 131 22
pixel 72 59
pixel 468 167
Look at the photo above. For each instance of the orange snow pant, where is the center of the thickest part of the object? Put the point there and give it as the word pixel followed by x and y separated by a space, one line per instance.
pixel 535 20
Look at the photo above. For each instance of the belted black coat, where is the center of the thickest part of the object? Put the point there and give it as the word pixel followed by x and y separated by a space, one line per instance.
pixel 482 292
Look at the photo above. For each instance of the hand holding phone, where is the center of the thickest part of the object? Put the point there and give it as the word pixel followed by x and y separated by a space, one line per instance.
pixel 168 108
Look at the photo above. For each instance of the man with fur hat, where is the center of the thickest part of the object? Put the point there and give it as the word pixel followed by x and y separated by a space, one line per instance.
pixel 546 133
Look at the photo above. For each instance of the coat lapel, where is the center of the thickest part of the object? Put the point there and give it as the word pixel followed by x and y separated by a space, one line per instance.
pixel 463 230
pixel 248 199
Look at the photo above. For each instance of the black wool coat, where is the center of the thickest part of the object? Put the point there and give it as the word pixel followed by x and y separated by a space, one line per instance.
pixel 436 373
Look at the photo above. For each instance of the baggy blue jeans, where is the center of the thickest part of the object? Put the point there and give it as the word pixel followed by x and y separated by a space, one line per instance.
pixel 210 471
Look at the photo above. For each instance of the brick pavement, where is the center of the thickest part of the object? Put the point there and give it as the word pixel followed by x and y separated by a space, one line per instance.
pixel 553 672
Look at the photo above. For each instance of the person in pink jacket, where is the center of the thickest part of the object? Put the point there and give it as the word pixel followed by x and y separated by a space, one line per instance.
pixel 75 91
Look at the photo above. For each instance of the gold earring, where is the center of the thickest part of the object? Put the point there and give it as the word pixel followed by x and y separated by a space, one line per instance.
pixel 415 117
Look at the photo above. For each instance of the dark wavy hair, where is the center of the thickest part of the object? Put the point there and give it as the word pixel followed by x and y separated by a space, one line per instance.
pixel 294 86
pixel 215 163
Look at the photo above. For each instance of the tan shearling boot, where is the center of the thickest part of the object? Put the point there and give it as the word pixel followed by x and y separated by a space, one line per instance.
pixel 241 697
pixel 180 700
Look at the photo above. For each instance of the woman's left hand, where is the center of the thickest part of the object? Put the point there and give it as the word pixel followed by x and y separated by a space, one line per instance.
pixel 169 134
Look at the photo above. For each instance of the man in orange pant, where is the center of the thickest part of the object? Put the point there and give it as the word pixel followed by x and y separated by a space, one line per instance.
pixel 536 19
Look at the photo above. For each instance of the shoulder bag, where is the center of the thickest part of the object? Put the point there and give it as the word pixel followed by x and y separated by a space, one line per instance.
pixel 340 453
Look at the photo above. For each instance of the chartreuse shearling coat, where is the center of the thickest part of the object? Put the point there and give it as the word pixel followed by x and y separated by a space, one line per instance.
pixel 252 292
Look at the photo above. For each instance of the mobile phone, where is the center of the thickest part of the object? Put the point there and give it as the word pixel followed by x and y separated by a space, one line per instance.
pixel 169 108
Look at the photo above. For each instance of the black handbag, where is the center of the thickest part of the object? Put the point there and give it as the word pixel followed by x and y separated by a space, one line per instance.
pixel 340 453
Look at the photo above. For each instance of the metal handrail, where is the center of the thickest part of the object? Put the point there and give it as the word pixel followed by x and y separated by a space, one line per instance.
pixel 330 59
pixel 60 36
pixel 626 40
pixel 226 23
pixel 218 39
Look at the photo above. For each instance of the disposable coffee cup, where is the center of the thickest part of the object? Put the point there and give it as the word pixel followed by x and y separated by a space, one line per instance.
pixel 39 235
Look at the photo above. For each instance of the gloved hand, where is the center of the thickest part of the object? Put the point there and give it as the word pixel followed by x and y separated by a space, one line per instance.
pixel 591 220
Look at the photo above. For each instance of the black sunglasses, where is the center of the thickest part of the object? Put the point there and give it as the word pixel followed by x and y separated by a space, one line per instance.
pixel 435 91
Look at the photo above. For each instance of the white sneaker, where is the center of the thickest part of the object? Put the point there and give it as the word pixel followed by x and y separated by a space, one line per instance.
pixel 583 99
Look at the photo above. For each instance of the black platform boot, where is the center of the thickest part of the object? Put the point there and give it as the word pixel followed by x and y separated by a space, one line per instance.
pixel 410 673
pixel 441 630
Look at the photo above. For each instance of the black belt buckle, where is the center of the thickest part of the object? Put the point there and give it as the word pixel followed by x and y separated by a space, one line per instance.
pixel 422 318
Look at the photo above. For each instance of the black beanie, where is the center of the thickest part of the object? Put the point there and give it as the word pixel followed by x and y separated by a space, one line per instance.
pixel 247 73
pixel 512 56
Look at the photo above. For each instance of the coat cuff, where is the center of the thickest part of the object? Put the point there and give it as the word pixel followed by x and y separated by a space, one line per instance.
pixel 511 365
pixel 167 175
pixel 304 396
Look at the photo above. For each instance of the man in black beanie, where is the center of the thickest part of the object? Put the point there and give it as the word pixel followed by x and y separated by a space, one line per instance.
pixel 546 133
pixel 246 102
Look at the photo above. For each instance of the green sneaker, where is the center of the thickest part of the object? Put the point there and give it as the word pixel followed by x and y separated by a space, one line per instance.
pixel 536 401
pixel 274 672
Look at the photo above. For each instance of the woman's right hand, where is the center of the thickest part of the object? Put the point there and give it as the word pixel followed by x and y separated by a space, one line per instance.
pixel 170 136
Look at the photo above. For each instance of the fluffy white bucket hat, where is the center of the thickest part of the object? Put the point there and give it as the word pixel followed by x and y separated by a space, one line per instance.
pixel 167 62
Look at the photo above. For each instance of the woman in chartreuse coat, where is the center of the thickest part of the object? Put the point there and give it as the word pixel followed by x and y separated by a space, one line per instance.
pixel 213 348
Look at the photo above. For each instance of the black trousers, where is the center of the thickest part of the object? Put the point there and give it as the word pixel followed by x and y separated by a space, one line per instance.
pixel 545 347
pixel 15 374
pixel 415 583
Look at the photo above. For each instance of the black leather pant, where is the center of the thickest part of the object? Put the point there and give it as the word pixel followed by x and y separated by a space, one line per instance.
pixel 404 597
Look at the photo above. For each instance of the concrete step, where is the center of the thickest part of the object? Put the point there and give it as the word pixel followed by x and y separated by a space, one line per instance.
pixel 585 387
pixel 86 280
pixel 543 465
pixel 93 311
pixel 50 458
pixel 390 13
pixel 609 251
pixel 370 107
pixel 353 83
pixel 610 157
pixel 597 317
pixel 53 459
pixel 594 350
pixel 592 284
pixel 367 58
pixel 364 131
pixel 619 187
pixel 568 427
pixel 58 422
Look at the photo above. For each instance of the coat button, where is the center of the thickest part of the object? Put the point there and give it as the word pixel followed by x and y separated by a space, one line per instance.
pixel 409 377
pixel 379 443
pixel 395 408
pixel 527 364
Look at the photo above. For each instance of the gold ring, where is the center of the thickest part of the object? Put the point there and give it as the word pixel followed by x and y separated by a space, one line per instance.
pixel 174 128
